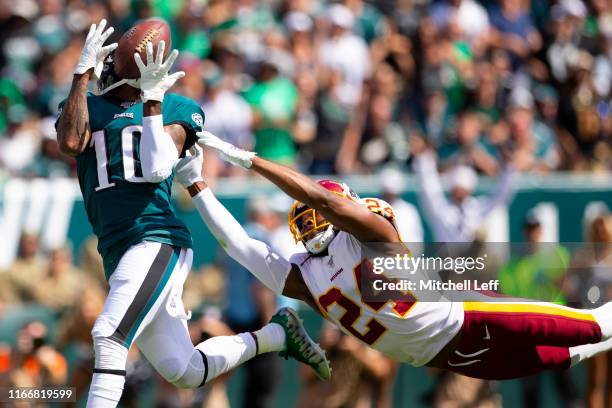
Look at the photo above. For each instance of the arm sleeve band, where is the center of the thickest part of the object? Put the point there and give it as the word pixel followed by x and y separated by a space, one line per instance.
pixel 261 260
pixel 158 153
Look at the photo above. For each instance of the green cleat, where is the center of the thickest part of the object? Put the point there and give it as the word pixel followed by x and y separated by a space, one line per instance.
pixel 299 344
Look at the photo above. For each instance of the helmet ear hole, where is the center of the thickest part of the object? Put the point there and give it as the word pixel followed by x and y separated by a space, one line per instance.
pixel 108 76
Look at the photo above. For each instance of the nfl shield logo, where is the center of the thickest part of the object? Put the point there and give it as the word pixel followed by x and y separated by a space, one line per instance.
pixel 197 118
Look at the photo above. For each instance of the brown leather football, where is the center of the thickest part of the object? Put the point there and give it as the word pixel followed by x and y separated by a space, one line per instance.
pixel 135 40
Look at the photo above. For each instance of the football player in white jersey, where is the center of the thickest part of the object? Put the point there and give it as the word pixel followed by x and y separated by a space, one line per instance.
pixel 482 339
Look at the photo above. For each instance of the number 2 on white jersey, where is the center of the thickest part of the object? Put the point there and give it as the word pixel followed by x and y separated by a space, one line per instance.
pixel 401 305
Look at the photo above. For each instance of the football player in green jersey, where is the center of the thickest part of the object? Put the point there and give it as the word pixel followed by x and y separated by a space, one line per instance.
pixel 127 140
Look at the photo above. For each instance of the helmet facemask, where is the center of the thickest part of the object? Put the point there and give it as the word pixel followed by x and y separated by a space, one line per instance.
pixel 310 227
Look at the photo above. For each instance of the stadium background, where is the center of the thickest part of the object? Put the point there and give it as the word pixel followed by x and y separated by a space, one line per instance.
pixel 478 88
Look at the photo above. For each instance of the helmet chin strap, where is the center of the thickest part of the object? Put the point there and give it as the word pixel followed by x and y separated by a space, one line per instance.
pixel 321 241
pixel 131 82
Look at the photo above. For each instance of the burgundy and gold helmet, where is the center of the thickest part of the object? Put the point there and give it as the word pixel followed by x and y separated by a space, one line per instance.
pixel 319 232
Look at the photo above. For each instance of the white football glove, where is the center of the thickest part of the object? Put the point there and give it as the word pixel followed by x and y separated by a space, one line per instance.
pixel 188 170
pixel 154 79
pixel 94 53
pixel 227 151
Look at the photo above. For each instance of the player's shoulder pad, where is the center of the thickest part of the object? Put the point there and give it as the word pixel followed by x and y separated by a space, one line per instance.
pixel 187 110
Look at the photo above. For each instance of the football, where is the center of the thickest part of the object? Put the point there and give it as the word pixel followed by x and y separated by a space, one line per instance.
pixel 135 40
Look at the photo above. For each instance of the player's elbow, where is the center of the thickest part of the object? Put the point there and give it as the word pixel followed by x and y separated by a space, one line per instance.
pixel 69 146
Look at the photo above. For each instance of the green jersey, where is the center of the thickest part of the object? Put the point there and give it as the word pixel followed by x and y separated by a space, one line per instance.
pixel 122 207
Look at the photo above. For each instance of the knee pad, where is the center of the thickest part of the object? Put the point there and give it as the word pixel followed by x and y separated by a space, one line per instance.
pixel 192 376
pixel 110 355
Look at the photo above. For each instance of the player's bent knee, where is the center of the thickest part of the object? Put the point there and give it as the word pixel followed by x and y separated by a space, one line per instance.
pixel 110 354
pixel 192 376
pixel 171 369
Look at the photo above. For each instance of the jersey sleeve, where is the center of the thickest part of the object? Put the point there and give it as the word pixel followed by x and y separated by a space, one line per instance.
pixel 187 113
pixel 90 101
pixel 378 206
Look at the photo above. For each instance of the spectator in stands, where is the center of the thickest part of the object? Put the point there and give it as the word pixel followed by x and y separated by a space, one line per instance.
pixel 332 118
pixel 453 390
pixel 370 23
pixel 28 269
pixel 49 162
pixel 19 148
pixel 228 116
pixel 436 119
pixel 514 30
pixel 61 285
pixel 273 99
pixel 249 304
pixel 34 361
pixel 468 147
pixel 459 218
pixel 8 294
pixel 528 136
pixel 470 17
pixel 538 269
pixel 346 53
pixel 5 364
pixel 407 216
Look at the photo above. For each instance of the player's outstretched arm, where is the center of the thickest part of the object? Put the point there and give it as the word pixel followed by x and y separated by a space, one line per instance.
pixel 268 266
pixel 73 132
pixel 344 214
pixel 159 147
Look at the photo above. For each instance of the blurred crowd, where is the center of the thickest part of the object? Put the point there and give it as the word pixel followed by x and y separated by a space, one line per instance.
pixel 337 88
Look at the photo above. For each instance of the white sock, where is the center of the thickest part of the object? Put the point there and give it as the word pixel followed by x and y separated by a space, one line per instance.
pixel 603 316
pixel 105 390
pixel 271 337
pixel 585 351
pixel 226 352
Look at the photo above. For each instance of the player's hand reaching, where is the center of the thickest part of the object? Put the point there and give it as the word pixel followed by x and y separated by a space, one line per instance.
pixel 227 151
pixel 94 52
pixel 154 79
pixel 188 170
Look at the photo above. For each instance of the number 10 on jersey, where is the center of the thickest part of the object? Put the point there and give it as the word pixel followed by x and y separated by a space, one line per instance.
pixel 130 141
